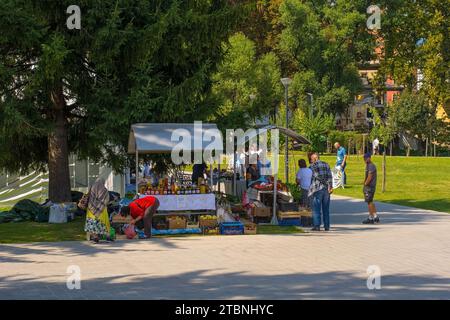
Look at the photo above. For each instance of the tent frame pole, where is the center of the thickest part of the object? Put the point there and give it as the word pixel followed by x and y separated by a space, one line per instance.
pixel 137 170
pixel 234 174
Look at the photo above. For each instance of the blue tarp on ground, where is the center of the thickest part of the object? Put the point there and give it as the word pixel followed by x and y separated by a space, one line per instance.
pixel 171 232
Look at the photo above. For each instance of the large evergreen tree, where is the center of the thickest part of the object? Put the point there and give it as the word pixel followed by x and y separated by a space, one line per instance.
pixel 64 91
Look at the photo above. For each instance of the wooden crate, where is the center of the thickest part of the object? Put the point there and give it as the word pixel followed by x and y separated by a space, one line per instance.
pixel 289 214
pixel 210 231
pixel 192 226
pixel 207 223
pixel 250 228
pixel 305 212
pixel 176 223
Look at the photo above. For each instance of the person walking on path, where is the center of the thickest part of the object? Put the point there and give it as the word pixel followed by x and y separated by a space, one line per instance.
pixel 320 190
pixel 370 184
pixel 97 218
pixel 341 160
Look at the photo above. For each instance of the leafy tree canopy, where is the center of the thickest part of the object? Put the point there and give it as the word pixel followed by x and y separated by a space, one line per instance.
pixel 327 41
pixel 245 87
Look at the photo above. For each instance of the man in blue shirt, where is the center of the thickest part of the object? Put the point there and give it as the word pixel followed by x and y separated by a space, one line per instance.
pixel 341 160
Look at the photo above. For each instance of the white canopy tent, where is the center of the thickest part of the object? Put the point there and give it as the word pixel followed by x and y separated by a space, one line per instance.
pixel 153 138
pixel 147 138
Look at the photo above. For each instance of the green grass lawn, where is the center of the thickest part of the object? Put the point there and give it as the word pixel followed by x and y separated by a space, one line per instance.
pixel 42 232
pixel 411 181
pixel 23 232
pixel 268 229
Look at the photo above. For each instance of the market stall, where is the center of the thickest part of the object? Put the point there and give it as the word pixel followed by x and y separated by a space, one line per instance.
pixel 178 199
pixel 272 185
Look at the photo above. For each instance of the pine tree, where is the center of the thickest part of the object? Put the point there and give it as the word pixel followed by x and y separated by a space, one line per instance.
pixel 77 91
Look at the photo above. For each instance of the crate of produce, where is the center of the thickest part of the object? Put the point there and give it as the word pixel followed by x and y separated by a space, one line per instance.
pixel 290 222
pixel 232 228
pixel 176 222
pixel 250 228
pixel 287 206
pixel 210 230
pixel 207 221
pixel 192 225
pixel 288 214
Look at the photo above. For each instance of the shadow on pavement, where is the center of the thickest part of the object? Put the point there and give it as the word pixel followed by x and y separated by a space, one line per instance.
pixel 352 211
pixel 13 253
pixel 203 285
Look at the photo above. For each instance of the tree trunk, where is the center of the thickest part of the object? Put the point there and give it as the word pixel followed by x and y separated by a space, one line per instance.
pixel 58 152
pixel 383 188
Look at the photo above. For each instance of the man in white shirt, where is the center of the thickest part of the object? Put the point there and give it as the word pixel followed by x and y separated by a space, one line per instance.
pixel 303 179
pixel 375 146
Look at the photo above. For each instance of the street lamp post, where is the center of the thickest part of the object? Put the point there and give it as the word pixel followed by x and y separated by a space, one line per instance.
pixel 286 82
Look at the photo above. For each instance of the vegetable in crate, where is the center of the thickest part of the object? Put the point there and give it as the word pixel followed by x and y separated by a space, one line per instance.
pixel 295 192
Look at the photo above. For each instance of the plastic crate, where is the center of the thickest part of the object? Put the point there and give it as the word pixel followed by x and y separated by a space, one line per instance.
pixel 290 222
pixel 232 228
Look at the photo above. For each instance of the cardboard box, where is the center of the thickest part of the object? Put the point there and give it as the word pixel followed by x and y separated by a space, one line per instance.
pixel 262 212
pixel 121 219
pixel 207 223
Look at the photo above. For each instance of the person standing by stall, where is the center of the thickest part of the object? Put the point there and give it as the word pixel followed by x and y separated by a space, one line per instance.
pixel 341 160
pixel 320 190
pixel 142 211
pixel 97 218
pixel 198 171
pixel 303 179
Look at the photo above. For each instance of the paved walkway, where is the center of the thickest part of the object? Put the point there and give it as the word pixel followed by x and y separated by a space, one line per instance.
pixel 411 247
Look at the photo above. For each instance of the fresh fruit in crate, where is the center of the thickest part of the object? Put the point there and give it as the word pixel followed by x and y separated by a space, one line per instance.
pixel 207 217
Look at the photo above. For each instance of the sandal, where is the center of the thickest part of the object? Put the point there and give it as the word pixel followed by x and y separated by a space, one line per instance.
pixel 94 239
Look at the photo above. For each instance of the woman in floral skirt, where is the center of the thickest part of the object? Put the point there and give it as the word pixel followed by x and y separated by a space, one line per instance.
pixel 97 219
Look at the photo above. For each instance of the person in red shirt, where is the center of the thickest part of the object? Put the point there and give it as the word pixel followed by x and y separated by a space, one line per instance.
pixel 142 211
